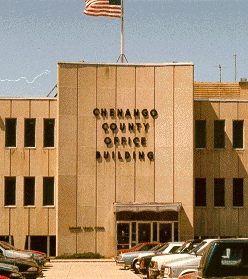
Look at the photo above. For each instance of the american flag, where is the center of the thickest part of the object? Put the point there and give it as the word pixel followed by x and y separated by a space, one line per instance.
pixel 111 8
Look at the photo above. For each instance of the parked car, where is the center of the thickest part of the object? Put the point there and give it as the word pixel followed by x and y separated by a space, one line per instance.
pixel 144 261
pixel 223 258
pixel 9 251
pixel 144 246
pixel 158 261
pixel 27 267
pixel 10 271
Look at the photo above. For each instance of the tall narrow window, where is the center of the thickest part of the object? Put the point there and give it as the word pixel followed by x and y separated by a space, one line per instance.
pixel 238 194
pixel 200 192
pixel 29 140
pixel 238 133
pixel 219 192
pixel 10 191
pixel 200 134
pixel 29 190
pixel 49 132
pixel 219 134
pixel 48 191
pixel 10 132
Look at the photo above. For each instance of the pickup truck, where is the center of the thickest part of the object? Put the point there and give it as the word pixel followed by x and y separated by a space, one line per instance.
pixel 223 258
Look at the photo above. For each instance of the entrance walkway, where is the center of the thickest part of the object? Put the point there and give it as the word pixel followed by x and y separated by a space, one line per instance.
pixel 86 269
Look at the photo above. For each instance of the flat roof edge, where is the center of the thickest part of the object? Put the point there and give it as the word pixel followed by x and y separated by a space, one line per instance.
pixel 131 64
pixel 29 98
pixel 219 100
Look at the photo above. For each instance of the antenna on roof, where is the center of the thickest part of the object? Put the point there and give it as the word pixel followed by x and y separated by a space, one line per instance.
pixel 220 70
pixel 52 91
pixel 235 66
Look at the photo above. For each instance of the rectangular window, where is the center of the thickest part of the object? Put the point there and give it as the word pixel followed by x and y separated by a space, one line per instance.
pixel 10 191
pixel 219 192
pixel 10 132
pixel 29 140
pixel 29 190
pixel 219 134
pixel 48 191
pixel 200 192
pixel 238 133
pixel 238 194
pixel 200 134
pixel 49 132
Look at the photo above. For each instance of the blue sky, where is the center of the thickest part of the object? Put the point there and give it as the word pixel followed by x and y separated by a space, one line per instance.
pixel 36 34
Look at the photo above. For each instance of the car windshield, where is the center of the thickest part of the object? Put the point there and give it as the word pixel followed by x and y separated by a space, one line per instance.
pixel 182 248
pixel 159 247
pixel 7 246
pixel 197 248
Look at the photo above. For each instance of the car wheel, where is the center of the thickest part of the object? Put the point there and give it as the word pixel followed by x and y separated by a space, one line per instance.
pixel 134 268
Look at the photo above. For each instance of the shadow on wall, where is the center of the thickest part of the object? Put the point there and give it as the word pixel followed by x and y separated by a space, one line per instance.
pixel 224 214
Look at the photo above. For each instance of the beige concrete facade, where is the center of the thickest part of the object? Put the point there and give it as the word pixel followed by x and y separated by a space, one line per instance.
pixel 123 161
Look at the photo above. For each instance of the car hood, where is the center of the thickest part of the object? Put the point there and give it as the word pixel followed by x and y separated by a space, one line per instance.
pixel 192 261
pixel 8 267
pixel 18 261
pixel 169 257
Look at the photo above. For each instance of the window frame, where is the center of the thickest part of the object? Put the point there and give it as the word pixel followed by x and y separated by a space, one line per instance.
pixel 7 131
pixel 46 191
pixel 27 137
pixel 9 204
pixel 198 135
pixel 236 135
pixel 219 135
pixel 24 191
pixel 46 130
pixel 216 189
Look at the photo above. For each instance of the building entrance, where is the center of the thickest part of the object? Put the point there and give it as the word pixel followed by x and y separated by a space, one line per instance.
pixel 130 234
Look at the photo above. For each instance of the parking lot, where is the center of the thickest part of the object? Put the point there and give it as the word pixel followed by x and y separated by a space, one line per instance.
pixel 87 269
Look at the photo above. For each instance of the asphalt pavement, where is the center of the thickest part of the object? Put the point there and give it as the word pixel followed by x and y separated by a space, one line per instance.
pixel 86 269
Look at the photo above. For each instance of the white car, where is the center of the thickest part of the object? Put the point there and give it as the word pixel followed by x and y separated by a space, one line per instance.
pixel 158 261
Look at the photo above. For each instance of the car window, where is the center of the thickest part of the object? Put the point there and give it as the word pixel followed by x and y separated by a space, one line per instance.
pixel 198 247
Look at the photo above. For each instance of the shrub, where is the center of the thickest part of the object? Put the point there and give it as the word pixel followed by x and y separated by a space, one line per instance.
pixel 88 255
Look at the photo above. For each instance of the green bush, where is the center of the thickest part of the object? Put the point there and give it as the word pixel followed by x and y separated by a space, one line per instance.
pixel 88 255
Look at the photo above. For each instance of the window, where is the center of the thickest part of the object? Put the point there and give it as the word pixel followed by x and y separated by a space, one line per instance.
pixel 219 134
pixel 219 192
pixel 29 140
pixel 238 199
pixel 238 133
pixel 48 191
pixel 10 132
pixel 49 132
pixel 10 191
pixel 200 134
pixel 29 190
pixel 200 192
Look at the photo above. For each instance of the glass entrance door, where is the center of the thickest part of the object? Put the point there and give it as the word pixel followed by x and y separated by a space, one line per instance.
pixel 165 232
pixel 144 232
pixel 123 235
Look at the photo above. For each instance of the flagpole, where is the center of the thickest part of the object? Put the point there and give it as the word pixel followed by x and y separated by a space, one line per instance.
pixel 122 31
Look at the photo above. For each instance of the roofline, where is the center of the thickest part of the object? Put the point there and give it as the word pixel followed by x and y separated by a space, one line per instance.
pixel 29 98
pixel 131 64
pixel 220 100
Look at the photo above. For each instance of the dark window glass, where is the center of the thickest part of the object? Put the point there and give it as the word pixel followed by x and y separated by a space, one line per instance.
pixel 10 132
pixel 29 190
pixel 49 132
pixel 29 132
pixel 238 133
pixel 200 192
pixel 48 190
pixel 200 134
pixel 219 192
pixel 10 191
pixel 219 134
pixel 238 197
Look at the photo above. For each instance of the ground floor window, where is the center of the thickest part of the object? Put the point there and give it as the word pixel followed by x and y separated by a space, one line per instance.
pixel 46 244
pixel 7 238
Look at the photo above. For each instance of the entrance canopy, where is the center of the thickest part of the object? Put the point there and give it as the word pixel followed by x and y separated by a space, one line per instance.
pixel 138 207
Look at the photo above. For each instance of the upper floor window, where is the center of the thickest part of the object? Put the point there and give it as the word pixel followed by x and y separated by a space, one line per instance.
pixel 10 191
pixel 219 192
pixel 48 191
pixel 49 132
pixel 200 192
pixel 29 191
pixel 200 133
pixel 29 134
pixel 10 132
pixel 238 133
pixel 238 194
pixel 219 134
